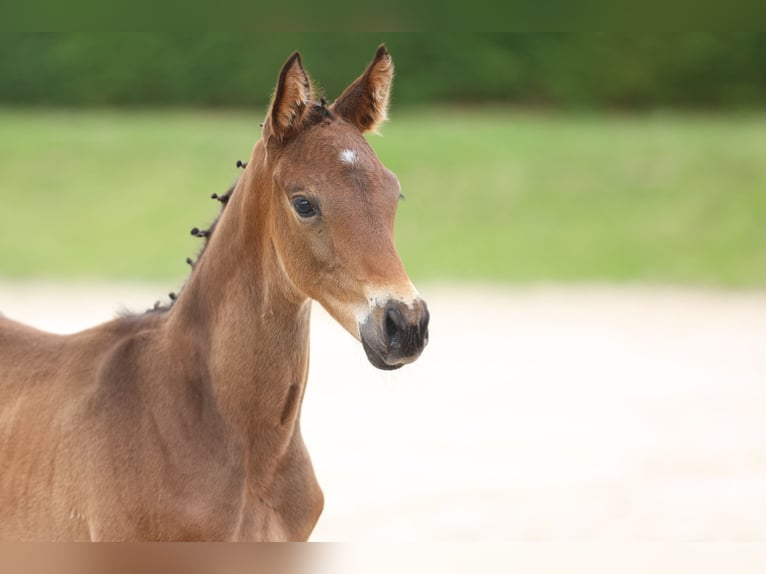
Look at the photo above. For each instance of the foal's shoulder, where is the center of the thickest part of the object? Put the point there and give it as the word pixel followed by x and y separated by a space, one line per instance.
pixel 128 350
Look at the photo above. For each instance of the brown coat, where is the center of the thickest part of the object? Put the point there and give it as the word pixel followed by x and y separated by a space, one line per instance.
pixel 184 423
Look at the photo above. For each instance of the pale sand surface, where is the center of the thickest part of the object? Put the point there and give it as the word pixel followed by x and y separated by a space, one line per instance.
pixel 536 414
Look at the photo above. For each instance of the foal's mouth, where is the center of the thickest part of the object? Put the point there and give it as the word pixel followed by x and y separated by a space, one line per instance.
pixel 376 359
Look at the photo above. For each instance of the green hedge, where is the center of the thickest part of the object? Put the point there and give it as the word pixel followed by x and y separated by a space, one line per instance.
pixel 239 70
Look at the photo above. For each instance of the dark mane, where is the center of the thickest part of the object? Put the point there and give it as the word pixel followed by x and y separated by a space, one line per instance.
pixel 205 234
pixel 318 113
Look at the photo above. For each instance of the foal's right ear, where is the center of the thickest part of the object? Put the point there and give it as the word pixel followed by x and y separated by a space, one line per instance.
pixel 290 102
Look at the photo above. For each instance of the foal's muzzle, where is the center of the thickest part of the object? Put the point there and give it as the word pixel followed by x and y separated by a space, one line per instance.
pixel 395 333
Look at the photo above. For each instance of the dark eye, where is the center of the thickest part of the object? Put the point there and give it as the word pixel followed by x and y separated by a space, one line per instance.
pixel 304 207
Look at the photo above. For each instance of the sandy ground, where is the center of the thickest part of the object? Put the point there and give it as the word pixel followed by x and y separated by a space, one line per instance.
pixel 536 414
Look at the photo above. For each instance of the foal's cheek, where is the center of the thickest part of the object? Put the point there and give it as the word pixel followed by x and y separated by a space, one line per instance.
pixel 318 257
pixel 309 257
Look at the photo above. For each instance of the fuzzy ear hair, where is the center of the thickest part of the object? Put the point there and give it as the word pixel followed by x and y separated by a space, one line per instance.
pixel 365 102
pixel 291 99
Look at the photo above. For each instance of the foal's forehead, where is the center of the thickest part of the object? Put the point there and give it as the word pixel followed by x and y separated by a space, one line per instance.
pixel 339 149
pixel 346 147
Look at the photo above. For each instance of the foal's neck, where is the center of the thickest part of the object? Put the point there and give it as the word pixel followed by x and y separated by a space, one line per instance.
pixel 246 321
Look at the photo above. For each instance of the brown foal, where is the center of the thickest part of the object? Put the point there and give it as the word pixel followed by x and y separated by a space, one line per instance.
pixel 184 423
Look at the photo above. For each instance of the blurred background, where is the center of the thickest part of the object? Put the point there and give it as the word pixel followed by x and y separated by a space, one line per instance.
pixel 524 157
pixel 586 214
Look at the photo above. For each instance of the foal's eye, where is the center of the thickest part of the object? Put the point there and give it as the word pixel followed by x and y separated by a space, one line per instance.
pixel 304 207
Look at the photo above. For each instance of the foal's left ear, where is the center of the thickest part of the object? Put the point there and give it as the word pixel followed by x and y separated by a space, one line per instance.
pixel 291 100
pixel 365 102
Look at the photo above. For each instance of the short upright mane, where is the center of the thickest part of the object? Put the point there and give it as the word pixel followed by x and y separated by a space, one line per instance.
pixel 205 234
pixel 318 113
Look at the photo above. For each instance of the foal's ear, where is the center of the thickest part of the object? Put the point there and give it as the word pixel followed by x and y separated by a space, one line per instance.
pixel 291 100
pixel 365 102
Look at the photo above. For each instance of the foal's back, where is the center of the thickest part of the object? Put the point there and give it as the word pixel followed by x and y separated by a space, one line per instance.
pixel 36 362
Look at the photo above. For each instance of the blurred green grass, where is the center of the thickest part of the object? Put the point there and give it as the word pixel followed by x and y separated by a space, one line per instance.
pixel 492 195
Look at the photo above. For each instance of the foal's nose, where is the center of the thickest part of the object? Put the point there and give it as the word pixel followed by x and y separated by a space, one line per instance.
pixel 394 333
pixel 405 328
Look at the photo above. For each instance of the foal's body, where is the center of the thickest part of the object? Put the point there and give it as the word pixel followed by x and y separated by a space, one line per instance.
pixel 183 423
pixel 114 414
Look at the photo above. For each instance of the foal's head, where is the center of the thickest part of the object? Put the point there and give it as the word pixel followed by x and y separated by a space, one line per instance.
pixel 333 207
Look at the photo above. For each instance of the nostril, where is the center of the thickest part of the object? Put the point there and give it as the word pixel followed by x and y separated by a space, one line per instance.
pixel 393 332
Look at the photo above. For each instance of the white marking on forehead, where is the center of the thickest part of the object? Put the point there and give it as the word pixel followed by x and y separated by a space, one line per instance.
pixel 349 156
